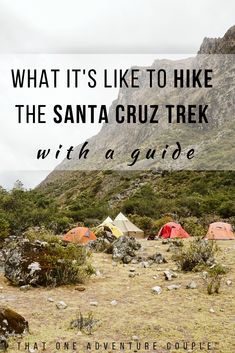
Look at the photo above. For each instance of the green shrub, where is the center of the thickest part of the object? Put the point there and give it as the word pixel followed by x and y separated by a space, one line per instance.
pixel 143 222
pixel 4 227
pixel 193 227
pixel 86 324
pixel 41 234
pixel 197 254
pixel 158 224
pixel 214 279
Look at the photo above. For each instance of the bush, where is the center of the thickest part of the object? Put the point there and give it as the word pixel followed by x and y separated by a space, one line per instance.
pixel 214 279
pixel 143 222
pixel 85 324
pixel 200 253
pixel 193 227
pixel 42 234
pixel 4 228
pixel 158 224
pixel 54 262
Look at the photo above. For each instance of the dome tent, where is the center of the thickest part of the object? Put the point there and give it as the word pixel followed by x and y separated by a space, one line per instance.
pixel 127 227
pixel 220 231
pixel 173 230
pixel 79 235
pixel 108 226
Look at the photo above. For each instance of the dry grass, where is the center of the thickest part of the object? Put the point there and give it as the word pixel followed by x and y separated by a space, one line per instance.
pixel 173 316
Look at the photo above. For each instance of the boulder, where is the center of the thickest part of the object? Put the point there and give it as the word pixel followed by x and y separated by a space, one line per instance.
pixel 103 243
pixel 11 323
pixel 157 258
pixel 36 263
pixel 124 249
pixel 157 290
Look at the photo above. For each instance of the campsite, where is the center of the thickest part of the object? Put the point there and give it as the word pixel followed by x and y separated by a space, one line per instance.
pixel 139 281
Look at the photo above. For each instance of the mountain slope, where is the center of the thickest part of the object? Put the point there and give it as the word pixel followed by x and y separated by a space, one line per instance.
pixel 96 193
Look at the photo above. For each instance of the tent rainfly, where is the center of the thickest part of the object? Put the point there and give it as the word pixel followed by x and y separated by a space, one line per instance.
pixel 79 235
pixel 127 227
pixel 220 231
pixel 172 230
pixel 107 220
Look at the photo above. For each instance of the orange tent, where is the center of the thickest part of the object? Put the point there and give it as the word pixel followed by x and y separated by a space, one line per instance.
pixel 220 231
pixel 172 230
pixel 79 235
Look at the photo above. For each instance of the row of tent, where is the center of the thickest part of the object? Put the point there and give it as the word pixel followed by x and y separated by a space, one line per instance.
pixel 121 225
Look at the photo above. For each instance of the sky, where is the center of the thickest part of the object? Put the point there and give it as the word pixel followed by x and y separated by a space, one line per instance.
pixel 107 26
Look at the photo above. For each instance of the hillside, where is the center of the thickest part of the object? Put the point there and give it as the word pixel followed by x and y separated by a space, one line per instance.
pixel 93 194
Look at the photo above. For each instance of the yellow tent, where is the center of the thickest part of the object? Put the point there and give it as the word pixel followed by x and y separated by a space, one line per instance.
pixel 110 227
pixel 113 229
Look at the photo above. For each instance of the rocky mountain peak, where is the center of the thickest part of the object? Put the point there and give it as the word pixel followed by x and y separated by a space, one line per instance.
pixel 224 45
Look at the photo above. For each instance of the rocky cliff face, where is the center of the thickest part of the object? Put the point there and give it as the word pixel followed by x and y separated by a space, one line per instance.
pixel 225 45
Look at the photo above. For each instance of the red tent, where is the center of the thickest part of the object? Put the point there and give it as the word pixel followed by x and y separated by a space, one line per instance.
pixel 172 230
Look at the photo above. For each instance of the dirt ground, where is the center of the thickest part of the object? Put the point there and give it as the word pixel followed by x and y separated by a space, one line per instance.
pixel 167 319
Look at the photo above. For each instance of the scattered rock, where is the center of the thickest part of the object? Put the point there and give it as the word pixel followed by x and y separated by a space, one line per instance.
pixel 113 302
pixel 127 259
pixel 3 344
pixel 11 323
pixel 173 287
pixel 191 285
pixel 50 300
pixel 132 269
pixel 212 310
pixel 94 303
pixel 25 288
pixel 135 338
pixel 229 282
pixel 145 264
pixel 169 275
pixel 157 290
pixel 158 258
pixel 155 276
pixel 132 275
pixel 204 275
pixel 61 305
pixel 80 288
